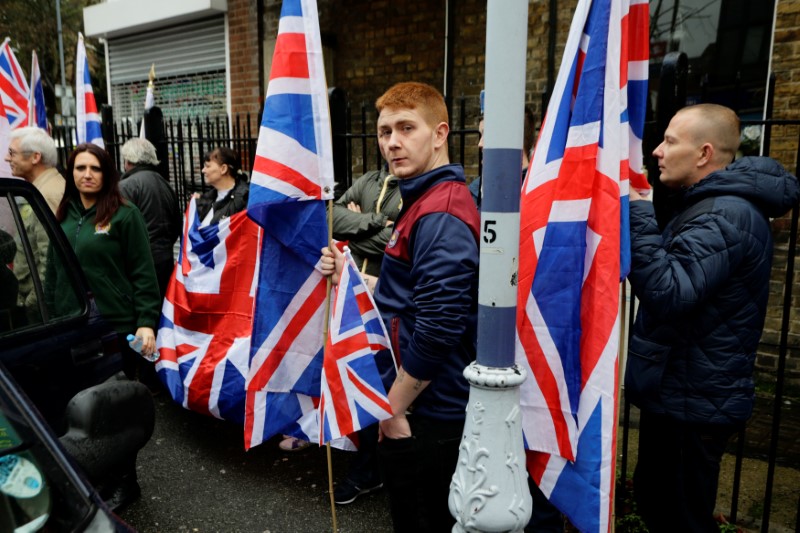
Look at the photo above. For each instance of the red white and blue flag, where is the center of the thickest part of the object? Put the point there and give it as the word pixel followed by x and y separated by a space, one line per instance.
pixel 292 175
pixel 37 112
pixel 13 87
pixel 573 255
pixel 204 334
pixel 87 118
pixel 353 395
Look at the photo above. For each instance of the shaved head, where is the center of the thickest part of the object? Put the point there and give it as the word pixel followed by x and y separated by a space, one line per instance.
pixel 717 125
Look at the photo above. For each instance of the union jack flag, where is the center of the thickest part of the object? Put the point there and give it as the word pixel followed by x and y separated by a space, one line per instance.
pixel 36 108
pixel 204 334
pixel 13 87
pixel 86 115
pixel 292 174
pixel 353 395
pixel 572 257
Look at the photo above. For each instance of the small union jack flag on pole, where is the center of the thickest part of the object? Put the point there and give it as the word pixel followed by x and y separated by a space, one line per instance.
pixel 13 87
pixel 292 175
pixel 573 254
pixel 88 128
pixel 353 395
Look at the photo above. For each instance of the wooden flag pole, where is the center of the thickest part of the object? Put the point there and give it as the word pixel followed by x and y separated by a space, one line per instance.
pixel 623 338
pixel 325 323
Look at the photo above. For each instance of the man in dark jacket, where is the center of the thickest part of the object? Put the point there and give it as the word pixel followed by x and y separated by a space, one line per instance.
pixel 150 192
pixel 365 214
pixel 427 295
pixel 702 286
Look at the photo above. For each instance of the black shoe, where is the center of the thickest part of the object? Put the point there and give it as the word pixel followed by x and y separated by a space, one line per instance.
pixel 125 492
pixel 347 491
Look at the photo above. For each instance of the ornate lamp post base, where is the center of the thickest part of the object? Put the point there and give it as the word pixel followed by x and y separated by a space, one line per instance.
pixel 489 491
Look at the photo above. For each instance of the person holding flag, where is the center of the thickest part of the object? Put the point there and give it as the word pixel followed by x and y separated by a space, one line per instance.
pixel 703 285
pixel 427 297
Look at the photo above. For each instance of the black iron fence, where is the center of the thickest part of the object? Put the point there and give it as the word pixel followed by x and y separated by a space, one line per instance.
pixel 182 143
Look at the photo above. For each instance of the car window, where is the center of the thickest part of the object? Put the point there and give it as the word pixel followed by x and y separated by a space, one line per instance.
pixel 35 285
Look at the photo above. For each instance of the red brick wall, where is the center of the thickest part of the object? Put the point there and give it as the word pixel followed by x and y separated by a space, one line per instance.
pixel 244 66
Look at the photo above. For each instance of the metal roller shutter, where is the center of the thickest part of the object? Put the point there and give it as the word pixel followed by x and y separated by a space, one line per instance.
pixel 190 48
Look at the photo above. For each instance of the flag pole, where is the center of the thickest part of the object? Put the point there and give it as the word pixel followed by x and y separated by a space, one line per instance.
pixel 325 325
pixel 623 335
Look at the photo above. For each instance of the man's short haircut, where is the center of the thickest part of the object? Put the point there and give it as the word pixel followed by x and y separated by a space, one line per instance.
pixel 36 140
pixel 415 95
pixel 139 151
pixel 718 125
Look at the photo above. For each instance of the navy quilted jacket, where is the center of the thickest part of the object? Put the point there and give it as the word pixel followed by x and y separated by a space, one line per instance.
pixel 703 286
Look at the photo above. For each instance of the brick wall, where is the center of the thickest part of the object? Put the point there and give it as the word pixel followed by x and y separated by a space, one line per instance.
pixel 244 55
pixel 784 147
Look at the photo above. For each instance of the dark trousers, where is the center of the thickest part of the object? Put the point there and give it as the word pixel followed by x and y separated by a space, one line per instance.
pixel 363 470
pixel 417 472
pixel 163 273
pixel 676 476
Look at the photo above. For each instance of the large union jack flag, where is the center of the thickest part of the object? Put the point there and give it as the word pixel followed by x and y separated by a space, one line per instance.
pixel 353 395
pixel 204 335
pixel 292 174
pixel 13 87
pixel 87 118
pixel 573 254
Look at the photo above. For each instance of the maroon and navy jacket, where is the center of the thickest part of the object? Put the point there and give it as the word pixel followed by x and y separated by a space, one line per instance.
pixel 427 292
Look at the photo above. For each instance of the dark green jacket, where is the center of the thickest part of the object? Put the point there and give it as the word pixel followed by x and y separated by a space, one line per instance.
pixel 367 231
pixel 118 266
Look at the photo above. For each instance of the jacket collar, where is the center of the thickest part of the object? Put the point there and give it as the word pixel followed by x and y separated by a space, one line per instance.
pixel 413 188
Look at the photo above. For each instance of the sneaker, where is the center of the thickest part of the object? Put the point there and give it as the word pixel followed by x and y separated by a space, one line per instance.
pixel 347 491
pixel 292 444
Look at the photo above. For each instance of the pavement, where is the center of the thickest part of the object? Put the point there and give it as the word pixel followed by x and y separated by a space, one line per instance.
pixel 196 477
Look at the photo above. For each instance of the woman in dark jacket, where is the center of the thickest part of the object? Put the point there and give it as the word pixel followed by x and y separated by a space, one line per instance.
pixel 229 189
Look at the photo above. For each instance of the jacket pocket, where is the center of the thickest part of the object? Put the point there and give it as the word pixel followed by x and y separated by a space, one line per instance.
pixel 645 370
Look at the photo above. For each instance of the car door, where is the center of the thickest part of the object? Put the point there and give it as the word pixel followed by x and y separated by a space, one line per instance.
pixel 54 349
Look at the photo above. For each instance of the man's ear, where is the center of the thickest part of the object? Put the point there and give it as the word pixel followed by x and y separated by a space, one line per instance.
pixel 36 158
pixel 706 154
pixel 441 131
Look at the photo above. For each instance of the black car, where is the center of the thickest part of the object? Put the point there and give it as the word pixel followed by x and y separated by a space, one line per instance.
pixel 67 363
pixel 40 489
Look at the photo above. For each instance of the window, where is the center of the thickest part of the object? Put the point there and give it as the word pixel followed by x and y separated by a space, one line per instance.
pixel 35 287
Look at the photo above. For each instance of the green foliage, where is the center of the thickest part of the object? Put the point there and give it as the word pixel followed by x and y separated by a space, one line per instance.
pixel 32 25
pixel 627 519
pixel 728 528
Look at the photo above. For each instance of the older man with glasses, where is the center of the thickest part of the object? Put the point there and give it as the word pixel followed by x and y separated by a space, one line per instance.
pixel 32 156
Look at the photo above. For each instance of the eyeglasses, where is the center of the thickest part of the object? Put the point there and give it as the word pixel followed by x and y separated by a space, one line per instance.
pixel 12 153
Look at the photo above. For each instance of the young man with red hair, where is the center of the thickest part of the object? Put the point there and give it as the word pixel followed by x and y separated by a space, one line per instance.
pixel 427 295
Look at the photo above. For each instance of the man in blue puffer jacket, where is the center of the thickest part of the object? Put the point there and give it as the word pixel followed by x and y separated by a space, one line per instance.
pixel 702 285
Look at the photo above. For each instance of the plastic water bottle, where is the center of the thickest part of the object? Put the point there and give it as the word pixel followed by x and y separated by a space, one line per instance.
pixel 135 342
